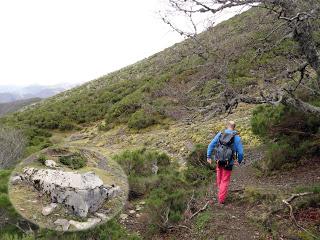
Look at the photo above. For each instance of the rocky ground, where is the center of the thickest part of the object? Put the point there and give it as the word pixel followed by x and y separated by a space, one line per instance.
pixel 62 198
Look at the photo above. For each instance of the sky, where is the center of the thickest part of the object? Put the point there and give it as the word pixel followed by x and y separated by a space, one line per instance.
pixel 50 42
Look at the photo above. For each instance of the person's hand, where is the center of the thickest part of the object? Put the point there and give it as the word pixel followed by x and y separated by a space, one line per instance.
pixel 236 163
pixel 209 160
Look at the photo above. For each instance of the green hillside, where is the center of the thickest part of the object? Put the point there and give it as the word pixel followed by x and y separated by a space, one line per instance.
pixel 170 84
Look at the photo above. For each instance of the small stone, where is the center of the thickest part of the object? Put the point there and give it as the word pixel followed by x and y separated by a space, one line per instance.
pixel 102 216
pixel 85 225
pixel 132 211
pixel 16 180
pixel 123 216
pixel 138 215
pixel 49 209
pixel 50 163
pixel 142 203
pixel 138 208
pixel 64 223
pixel 154 169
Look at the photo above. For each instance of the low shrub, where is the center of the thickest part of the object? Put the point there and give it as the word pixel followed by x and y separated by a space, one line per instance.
pixel 74 161
pixel 168 200
pixel 256 195
pixel 141 119
pixel 290 136
pixel 198 156
pixel 278 156
pixel 198 170
pixel 142 162
pixel 142 167
pixel 42 159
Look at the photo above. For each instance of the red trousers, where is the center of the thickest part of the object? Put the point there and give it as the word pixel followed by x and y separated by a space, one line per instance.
pixel 223 180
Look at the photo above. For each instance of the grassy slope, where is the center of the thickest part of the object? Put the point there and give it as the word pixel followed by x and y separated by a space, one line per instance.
pixel 167 82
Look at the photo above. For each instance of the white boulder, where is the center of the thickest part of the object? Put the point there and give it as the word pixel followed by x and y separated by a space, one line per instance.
pixel 80 193
pixel 50 163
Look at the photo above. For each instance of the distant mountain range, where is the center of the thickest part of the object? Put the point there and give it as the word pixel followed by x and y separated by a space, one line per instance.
pixel 12 93
pixel 10 107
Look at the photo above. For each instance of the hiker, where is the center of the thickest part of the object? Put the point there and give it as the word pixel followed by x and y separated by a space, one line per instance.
pixel 228 152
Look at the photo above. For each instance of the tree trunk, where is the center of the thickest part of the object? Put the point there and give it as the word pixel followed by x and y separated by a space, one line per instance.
pixel 300 105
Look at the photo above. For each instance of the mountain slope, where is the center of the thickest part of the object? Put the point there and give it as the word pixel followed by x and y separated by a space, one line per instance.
pixel 10 93
pixel 174 83
pixel 14 106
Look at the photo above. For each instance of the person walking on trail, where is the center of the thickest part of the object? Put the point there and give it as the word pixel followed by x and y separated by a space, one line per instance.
pixel 228 151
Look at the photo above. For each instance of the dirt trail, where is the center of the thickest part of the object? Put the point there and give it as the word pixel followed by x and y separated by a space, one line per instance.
pixel 235 220
pixel 238 220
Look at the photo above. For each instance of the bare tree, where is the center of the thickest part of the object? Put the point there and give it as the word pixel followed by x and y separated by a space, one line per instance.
pixel 12 144
pixel 295 19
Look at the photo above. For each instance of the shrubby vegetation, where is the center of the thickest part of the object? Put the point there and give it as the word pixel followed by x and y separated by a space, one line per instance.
pixel 143 168
pixel 291 136
pixel 74 161
pixel 141 119
pixel 198 170
pixel 168 191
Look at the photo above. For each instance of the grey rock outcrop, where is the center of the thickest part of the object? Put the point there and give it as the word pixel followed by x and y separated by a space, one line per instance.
pixel 50 163
pixel 80 193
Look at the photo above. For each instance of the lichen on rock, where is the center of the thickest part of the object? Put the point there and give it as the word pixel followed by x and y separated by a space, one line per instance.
pixel 80 193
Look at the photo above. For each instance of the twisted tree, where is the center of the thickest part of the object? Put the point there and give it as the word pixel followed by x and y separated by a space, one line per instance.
pixel 298 20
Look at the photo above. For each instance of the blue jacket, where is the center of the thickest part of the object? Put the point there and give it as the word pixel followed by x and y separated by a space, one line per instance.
pixel 237 145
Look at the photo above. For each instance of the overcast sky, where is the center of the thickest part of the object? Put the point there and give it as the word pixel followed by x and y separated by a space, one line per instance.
pixel 70 41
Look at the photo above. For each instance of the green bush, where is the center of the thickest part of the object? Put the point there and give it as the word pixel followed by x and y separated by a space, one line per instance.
pixel 140 119
pixel 42 159
pixel 198 156
pixel 66 125
pixel 198 170
pixel 7 210
pixel 278 156
pixel 168 200
pixel 74 161
pixel 293 135
pixel 264 118
pixel 140 166
pixel 140 162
